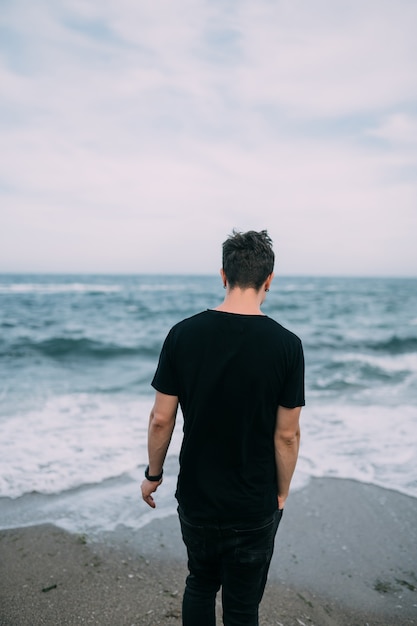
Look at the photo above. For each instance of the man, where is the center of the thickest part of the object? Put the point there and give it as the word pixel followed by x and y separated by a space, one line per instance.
pixel 239 378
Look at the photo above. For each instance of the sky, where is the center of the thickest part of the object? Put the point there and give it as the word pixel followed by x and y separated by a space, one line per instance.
pixel 136 135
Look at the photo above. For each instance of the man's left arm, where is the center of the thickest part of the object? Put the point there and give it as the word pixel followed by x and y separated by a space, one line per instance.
pixel 161 426
pixel 287 444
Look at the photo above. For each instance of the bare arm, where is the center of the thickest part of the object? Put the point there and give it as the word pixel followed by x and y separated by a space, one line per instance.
pixel 287 443
pixel 161 426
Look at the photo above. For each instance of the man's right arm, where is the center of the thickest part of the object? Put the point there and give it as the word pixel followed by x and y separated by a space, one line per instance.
pixel 287 443
pixel 161 426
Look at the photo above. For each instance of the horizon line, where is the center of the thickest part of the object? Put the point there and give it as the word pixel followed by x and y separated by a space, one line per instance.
pixel 195 274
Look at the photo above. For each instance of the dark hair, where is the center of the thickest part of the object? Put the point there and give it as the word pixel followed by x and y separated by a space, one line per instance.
pixel 248 259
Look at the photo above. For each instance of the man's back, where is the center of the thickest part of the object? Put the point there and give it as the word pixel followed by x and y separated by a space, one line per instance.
pixel 230 373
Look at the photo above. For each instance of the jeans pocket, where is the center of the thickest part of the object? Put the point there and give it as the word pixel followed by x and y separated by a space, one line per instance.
pixel 261 525
pixel 253 558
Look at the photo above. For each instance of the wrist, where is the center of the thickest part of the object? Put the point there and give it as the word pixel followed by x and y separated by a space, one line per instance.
pixel 281 501
pixel 153 478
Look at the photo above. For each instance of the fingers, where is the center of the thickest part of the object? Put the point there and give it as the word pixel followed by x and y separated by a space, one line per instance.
pixel 148 487
pixel 150 501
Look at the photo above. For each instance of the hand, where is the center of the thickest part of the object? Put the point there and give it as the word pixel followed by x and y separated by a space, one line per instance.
pixel 148 487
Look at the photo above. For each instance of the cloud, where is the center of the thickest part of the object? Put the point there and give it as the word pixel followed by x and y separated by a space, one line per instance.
pixel 398 128
pixel 330 59
pixel 186 119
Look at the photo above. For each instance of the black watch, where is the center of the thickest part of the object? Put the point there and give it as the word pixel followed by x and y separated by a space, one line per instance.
pixel 153 479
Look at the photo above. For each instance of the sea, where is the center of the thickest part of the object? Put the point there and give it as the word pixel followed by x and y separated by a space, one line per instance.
pixel 77 356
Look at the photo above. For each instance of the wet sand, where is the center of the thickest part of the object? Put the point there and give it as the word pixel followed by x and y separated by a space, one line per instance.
pixel 346 555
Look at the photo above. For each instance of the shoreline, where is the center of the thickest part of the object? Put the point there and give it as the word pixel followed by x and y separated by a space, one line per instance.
pixel 346 554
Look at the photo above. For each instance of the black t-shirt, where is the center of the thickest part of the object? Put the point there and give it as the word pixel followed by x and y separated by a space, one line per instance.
pixel 230 373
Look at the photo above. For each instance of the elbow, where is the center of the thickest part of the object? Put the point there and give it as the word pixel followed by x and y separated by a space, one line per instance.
pixel 157 421
pixel 163 412
pixel 289 439
pixel 160 421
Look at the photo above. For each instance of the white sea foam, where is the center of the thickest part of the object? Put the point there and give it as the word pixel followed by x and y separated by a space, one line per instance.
pixel 73 440
pixel 90 451
pixel 57 288
pixel 391 363
pixel 371 444
pixel 81 439
pixel 94 508
pixel 155 286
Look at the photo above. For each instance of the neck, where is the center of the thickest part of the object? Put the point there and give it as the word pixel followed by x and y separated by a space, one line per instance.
pixel 243 301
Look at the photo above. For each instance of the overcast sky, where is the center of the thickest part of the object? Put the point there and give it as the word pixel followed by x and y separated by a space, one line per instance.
pixel 135 135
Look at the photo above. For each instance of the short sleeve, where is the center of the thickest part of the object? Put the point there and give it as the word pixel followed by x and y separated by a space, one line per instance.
pixel 165 379
pixel 293 391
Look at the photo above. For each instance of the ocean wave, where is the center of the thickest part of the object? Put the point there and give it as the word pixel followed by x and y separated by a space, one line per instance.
pixel 66 347
pixel 337 384
pixel 74 440
pixel 360 443
pixel 392 346
pixel 57 288
pixel 395 345
pixel 386 364
pixel 362 378
pixel 356 371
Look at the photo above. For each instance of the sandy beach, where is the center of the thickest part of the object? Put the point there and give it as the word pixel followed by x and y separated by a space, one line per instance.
pixel 346 555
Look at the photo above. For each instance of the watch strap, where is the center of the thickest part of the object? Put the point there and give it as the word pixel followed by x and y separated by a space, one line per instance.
pixel 153 479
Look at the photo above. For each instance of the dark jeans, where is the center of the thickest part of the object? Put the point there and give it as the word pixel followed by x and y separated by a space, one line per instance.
pixel 234 557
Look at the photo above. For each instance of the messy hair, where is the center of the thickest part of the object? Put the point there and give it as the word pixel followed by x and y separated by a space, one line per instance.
pixel 248 259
